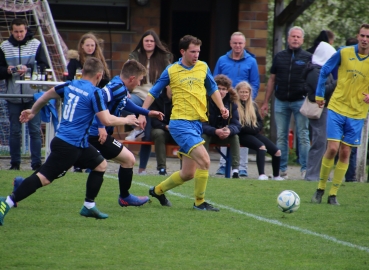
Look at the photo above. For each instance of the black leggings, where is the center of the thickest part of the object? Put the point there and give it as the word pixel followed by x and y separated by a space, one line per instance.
pixel 255 142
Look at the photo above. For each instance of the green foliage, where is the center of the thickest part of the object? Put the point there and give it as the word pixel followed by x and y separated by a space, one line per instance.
pixel 46 231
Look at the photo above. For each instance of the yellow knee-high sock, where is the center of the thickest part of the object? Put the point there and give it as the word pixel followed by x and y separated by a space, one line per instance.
pixel 201 179
pixel 325 170
pixel 171 182
pixel 339 173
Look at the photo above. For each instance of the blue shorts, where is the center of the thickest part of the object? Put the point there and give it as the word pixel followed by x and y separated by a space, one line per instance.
pixel 343 128
pixel 187 135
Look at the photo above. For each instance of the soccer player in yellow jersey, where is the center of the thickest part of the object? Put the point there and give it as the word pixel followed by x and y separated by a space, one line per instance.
pixel 347 109
pixel 190 80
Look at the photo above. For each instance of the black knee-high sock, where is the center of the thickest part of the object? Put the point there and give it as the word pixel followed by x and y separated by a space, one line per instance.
pixel 93 185
pixel 26 188
pixel 260 160
pixel 276 161
pixel 125 180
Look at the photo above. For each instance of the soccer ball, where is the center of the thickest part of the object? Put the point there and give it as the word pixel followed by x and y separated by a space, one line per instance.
pixel 288 201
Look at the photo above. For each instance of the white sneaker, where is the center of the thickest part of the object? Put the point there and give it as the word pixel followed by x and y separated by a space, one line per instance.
pixel 263 177
pixel 135 134
pixel 278 178
pixel 303 173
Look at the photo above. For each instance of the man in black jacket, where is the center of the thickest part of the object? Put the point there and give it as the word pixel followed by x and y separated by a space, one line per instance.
pixel 160 128
pixel 288 85
pixel 17 54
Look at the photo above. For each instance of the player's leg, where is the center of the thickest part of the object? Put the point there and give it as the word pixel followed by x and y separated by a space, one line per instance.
pixel 59 160
pixel 91 158
pixel 127 160
pixel 334 127
pixel 113 149
pixel 351 137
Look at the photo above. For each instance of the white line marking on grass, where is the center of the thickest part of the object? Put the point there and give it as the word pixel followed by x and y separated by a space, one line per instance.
pixel 271 221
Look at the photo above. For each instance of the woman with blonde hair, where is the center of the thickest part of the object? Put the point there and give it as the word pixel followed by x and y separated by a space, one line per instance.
pixel 88 46
pixel 250 136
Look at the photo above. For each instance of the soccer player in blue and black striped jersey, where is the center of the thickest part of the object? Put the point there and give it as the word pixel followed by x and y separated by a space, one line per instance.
pixel 81 101
pixel 115 94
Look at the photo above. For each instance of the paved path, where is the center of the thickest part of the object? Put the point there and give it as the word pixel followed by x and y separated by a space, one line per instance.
pixel 173 165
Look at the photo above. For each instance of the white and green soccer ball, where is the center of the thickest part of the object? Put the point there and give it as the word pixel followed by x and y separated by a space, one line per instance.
pixel 288 201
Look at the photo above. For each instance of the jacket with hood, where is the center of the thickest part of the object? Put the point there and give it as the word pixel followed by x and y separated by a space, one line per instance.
pixel 244 69
pixel 312 71
pixel 75 64
pixel 162 104
pixel 215 119
pixel 288 66
pixel 251 130
pixel 25 52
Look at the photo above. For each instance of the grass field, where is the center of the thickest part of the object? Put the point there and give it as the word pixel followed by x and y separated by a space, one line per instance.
pixel 47 232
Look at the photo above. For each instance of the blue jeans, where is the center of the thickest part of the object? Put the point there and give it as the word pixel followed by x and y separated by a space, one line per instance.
pixel 282 113
pixel 145 150
pixel 34 129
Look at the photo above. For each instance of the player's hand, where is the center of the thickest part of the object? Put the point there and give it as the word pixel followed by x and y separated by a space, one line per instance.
pixel 26 115
pixel 142 121
pixel 132 120
pixel 264 109
pixel 366 98
pixel 102 135
pixel 157 114
pixel 224 112
pixel 320 103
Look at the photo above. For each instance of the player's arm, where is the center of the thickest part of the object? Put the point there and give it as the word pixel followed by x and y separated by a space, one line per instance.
pixel 27 115
pixel 109 120
pixel 328 67
pixel 212 90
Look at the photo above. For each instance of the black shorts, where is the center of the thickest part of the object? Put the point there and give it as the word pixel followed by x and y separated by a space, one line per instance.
pixel 64 155
pixel 110 149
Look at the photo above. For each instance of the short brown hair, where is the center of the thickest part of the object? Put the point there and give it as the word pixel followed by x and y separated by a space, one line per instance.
pixel 223 80
pixel 19 21
pixel 132 68
pixel 185 42
pixel 92 66
pixel 364 25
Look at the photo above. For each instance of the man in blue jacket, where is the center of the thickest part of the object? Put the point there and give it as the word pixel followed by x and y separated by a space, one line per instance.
pixel 239 65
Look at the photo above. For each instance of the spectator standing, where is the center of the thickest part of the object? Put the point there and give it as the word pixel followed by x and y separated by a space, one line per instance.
pixel 151 53
pixel 88 46
pixel 348 109
pixel 190 80
pixel 289 86
pixel 318 127
pixel 17 54
pixel 160 129
pixel 324 35
pixel 251 126
pixel 239 65
pixel 219 130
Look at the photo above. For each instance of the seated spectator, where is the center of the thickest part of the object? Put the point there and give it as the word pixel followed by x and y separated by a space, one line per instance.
pixel 224 131
pixel 251 125
pixel 160 129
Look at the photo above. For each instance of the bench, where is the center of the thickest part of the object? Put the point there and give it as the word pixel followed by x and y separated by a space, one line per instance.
pixel 227 156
